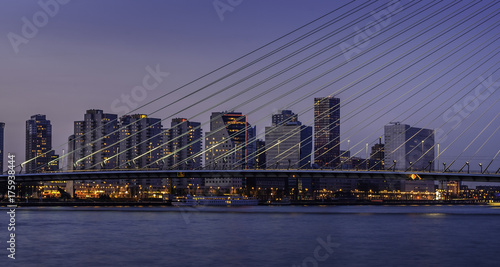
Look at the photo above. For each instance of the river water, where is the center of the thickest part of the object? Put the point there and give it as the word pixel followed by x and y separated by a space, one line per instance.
pixel 255 236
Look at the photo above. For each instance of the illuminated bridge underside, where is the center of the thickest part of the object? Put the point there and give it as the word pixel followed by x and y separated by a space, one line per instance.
pixel 257 174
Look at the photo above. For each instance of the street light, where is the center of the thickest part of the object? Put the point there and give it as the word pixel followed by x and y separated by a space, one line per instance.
pixel 468 167
pixel 481 165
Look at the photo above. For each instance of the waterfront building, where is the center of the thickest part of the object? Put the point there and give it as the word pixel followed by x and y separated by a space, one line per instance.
pixel 182 145
pixel 260 157
pixel 284 117
pixel 95 141
pixel 409 147
pixel 39 154
pixel 140 147
pixel 140 141
pixel 327 132
pixel 377 156
pixel 288 144
pixel 230 140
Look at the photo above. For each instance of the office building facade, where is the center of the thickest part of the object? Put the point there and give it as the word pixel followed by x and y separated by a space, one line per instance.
pixel 39 155
pixel 288 144
pixel 230 144
pixel 327 132
pixel 183 144
pixel 409 147
pixel 95 141
pixel 140 142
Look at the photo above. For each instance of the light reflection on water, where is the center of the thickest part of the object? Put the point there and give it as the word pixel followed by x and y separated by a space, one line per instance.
pixel 256 236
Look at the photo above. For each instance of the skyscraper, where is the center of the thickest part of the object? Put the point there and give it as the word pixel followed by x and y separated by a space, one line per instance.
pixel 140 141
pixel 408 146
pixel 39 154
pixel 327 132
pixel 284 116
pixel 183 144
pixel 94 139
pixel 182 147
pixel 377 156
pixel 71 156
pixel 288 143
pixel 260 157
pixel 2 127
pixel 228 145
pixel 229 141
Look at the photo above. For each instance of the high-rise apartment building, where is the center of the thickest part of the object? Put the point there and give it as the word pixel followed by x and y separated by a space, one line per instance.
pixel 260 155
pixel 183 144
pixel 408 146
pixel 284 117
pixel 95 141
pixel 230 144
pixel 327 132
pixel 140 142
pixel 377 156
pixel 182 150
pixel 288 144
pixel 39 154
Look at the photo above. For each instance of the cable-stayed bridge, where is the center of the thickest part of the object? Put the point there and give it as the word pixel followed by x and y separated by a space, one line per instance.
pixel 432 64
pixel 252 174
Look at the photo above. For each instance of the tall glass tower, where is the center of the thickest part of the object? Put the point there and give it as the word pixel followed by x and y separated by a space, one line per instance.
pixel 39 154
pixel 327 132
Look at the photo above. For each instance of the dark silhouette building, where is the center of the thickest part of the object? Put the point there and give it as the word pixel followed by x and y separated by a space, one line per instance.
pixel 183 144
pixel 39 154
pixel 288 143
pixel 377 156
pixel 327 132
pixel 95 141
pixel 140 141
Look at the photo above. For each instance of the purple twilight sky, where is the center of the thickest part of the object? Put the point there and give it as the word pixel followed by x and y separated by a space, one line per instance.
pixel 60 58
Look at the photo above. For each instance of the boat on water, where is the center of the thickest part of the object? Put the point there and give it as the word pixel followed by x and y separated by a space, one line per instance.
pixel 216 201
pixel 181 202
pixel 280 202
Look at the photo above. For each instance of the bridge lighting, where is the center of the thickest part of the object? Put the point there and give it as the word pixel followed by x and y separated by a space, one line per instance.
pixel 481 165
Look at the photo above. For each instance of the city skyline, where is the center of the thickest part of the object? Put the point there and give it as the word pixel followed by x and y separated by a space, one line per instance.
pixel 76 62
pixel 340 133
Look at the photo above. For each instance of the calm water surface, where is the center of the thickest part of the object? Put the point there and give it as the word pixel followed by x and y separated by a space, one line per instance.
pixel 256 236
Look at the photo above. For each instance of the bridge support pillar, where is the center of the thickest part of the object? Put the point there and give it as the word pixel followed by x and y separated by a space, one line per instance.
pixel 70 188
